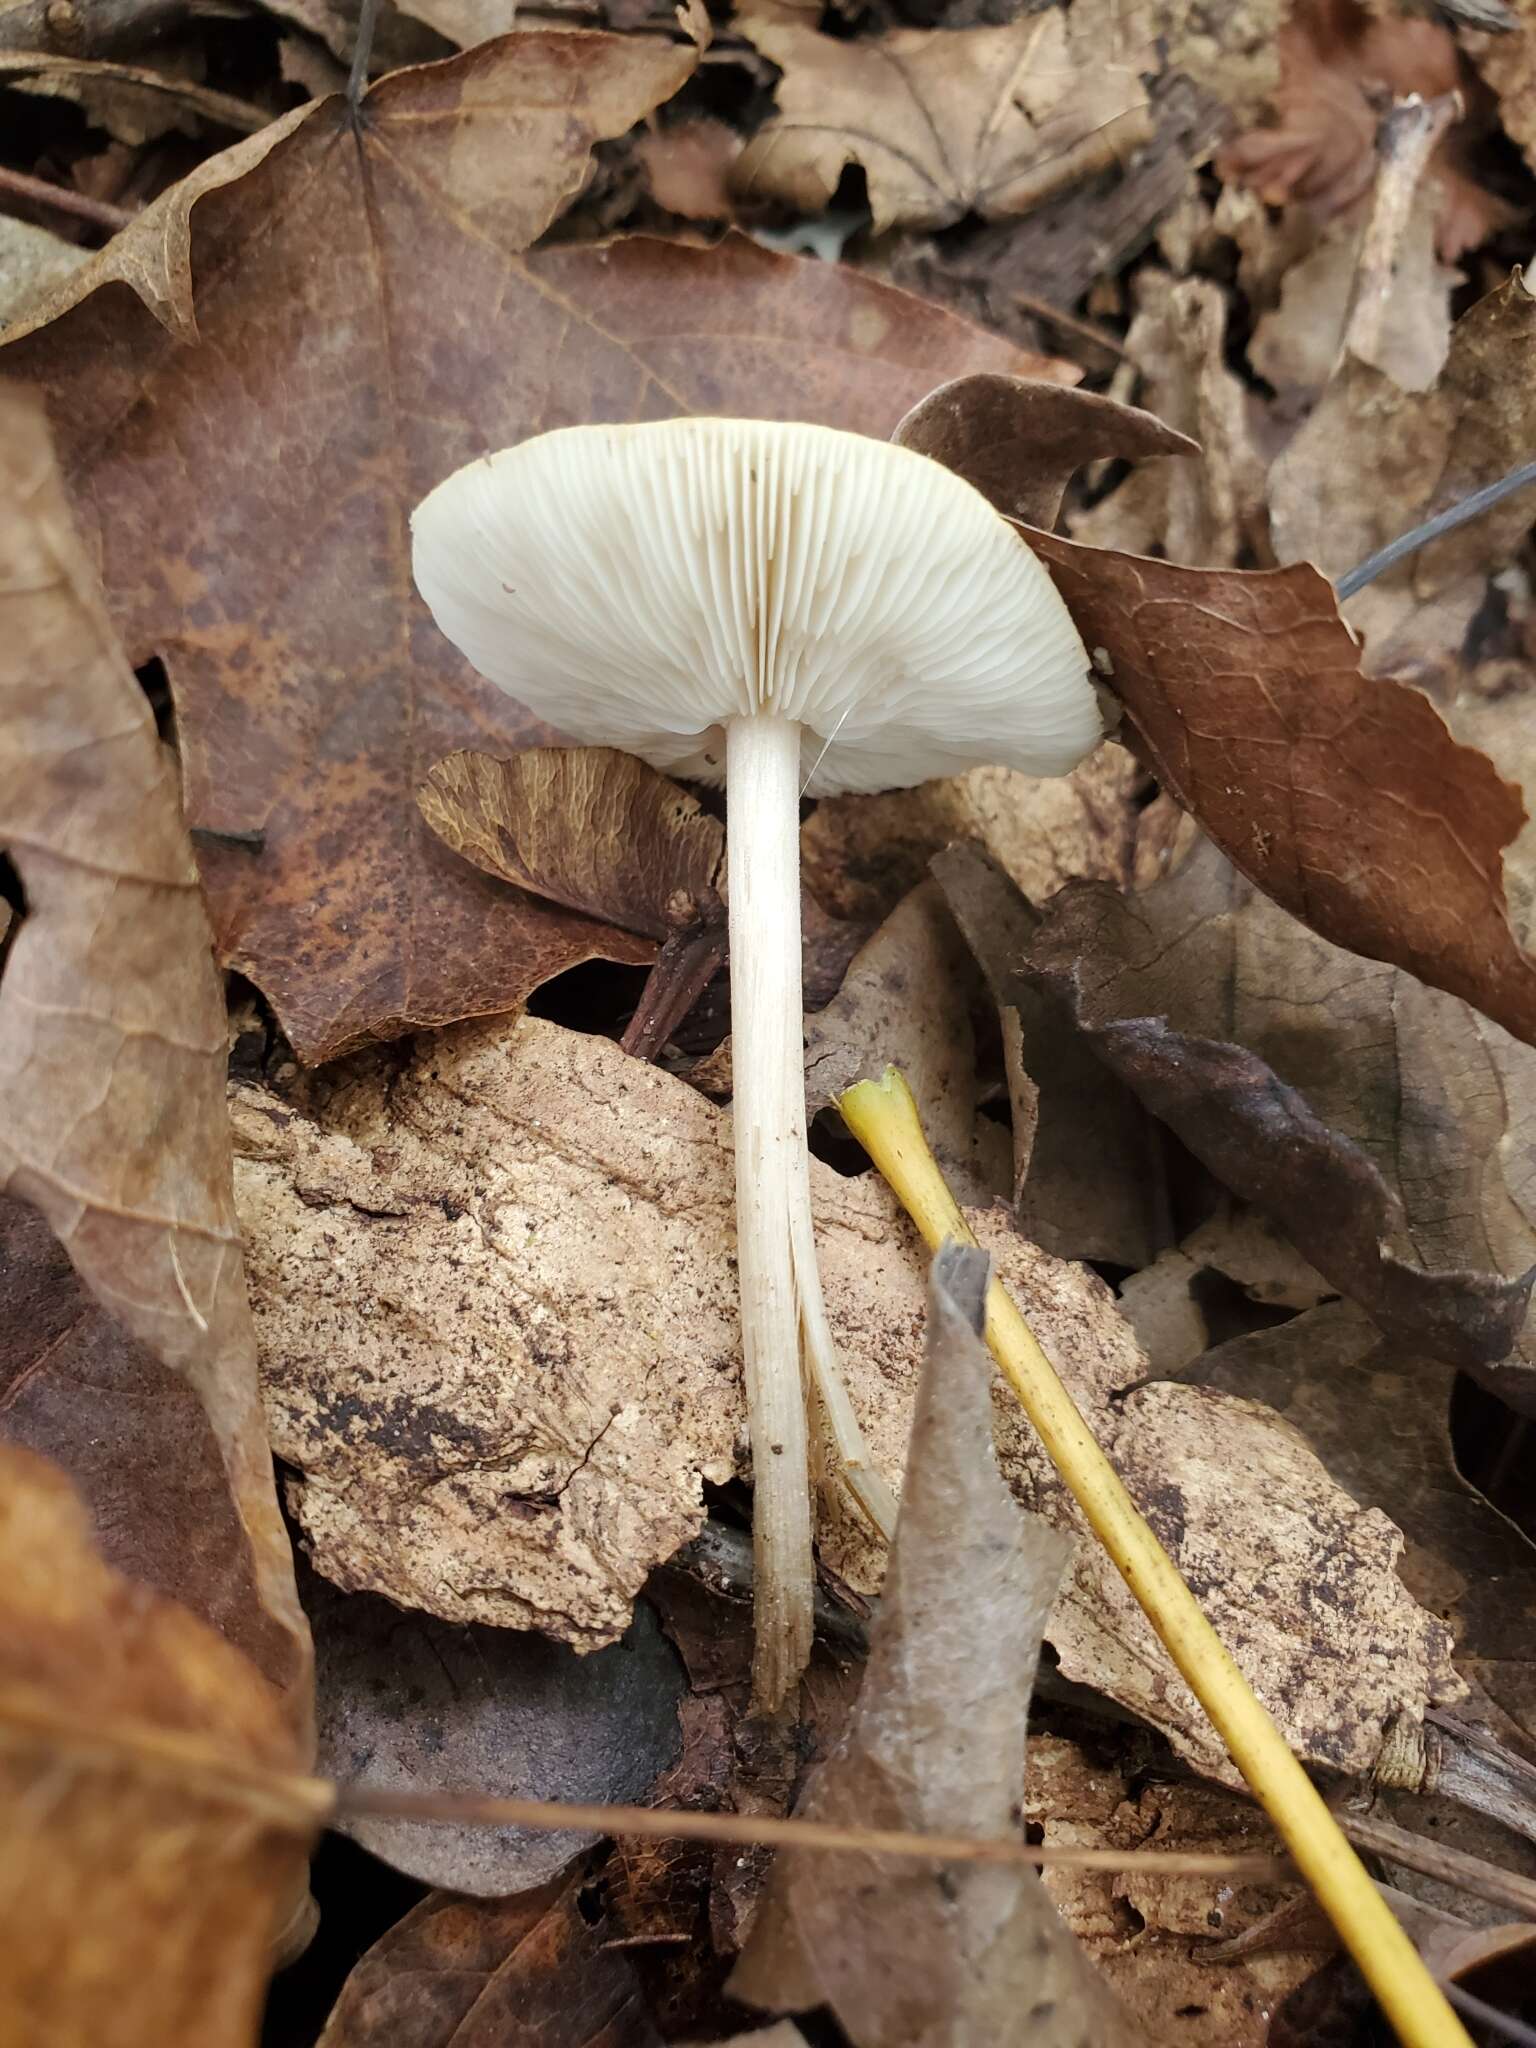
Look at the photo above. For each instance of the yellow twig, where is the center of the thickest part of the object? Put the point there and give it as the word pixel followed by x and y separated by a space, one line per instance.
pixel 883 1117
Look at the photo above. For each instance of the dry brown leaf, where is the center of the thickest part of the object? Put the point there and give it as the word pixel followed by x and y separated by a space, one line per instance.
pixel 1089 1178
pixel 32 262
pixel 1508 63
pixel 1374 459
pixel 1380 1422
pixel 1343 796
pixel 860 855
pixel 501 1345
pixel 147 1856
pixel 484 1973
pixel 1209 511
pixel 1384 1127
pixel 249 494
pixel 112 1046
pixel 1149 1934
pixel 597 831
pixel 408 1704
pixel 1164 1301
pixel 946 122
pixel 907 1959
pixel 1225 46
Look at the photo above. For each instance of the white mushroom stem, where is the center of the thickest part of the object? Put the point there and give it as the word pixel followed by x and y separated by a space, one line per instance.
pixel 781 1298
pixel 762 778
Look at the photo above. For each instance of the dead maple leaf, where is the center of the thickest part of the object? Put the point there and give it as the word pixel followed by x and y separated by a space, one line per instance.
pixel 1149 1934
pixel 481 1973
pixel 907 1959
pixel 1252 1038
pixel 501 1347
pixel 946 122
pixel 1380 1422
pixel 155 1819
pixel 248 489
pixel 112 1064
pixel 1374 459
pixel 408 1704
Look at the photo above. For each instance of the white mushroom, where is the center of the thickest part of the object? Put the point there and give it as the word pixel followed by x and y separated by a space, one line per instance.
pixel 786 609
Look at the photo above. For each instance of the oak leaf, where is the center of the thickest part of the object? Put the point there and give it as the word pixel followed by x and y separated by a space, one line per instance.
pixel 502 1352
pixel 112 1114
pixel 154 1814
pixel 946 122
pixel 247 486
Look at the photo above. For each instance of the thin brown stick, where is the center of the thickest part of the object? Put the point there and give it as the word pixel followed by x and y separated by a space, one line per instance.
pixel 99 212
pixel 1433 1859
pixel 762 1830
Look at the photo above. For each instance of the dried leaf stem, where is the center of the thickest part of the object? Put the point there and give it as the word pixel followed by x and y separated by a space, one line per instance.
pixel 883 1117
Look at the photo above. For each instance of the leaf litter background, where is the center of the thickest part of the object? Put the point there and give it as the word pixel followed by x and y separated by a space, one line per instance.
pixel 1241 1013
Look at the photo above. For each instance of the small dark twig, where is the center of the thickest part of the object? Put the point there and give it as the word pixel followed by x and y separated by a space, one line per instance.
pixel 99 212
pixel 685 966
pixel 362 53
pixel 1443 522
pixel 1503 2024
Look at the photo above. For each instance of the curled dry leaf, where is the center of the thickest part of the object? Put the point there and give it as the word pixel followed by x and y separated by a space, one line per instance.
pixel 946 122
pixel 132 102
pixel 407 1703
pixel 155 1823
pixel 1149 1935
pixel 501 1346
pixel 586 827
pixel 1303 1077
pixel 112 1061
pixel 312 693
pixel 1380 1422
pixel 482 1973
pixel 904 1960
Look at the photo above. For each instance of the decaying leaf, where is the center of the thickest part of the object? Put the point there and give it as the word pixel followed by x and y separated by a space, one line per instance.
pixel 501 1346
pixel 907 1957
pixel 1088 1180
pixel 1380 1422
pixel 1374 459
pixel 1508 63
pixel 481 1973
pixel 943 122
pixel 860 855
pixel 112 1059
pixel 312 693
pixel 132 102
pixel 1380 1124
pixel 1148 1934
pixel 152 1834
pixel 586 827
pixel 407 1703
pixel 32 262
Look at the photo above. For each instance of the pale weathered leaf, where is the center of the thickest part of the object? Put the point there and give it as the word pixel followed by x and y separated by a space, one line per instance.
pixel 112 1064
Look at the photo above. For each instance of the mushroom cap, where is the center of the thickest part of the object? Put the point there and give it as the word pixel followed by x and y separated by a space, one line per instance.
pixel 637 586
